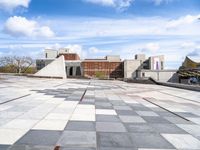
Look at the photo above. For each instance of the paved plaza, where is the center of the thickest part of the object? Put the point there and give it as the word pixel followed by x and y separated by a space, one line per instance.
pixel 75 114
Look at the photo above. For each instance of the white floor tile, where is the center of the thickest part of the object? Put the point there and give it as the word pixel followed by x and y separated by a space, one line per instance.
pixel 182 141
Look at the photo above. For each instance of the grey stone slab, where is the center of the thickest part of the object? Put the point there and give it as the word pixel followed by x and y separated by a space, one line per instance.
pixel 29 147
pixel 114 140
pixel 77 148
pixel 165 114
pixel 110 127
pixel 177 120
pixel 4 147
pixel 142 108
pixel 77 139
pixel 139 128
pixel 107 118
pixel 150 140
pixel 156 120
pixel 126 112
pixel 132 119
pixel 40 137
pixel 122 108
pixel 118 103
pixel 115 148
pixel 167 128
pixel 80 126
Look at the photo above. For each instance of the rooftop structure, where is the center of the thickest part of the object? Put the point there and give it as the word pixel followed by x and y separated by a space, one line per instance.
pixel 110 66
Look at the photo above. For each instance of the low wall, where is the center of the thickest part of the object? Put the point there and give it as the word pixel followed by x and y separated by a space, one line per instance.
pixel 159 75
pixel 181 86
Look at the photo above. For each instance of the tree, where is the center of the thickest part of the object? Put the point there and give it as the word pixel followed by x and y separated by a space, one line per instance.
pixel 16 64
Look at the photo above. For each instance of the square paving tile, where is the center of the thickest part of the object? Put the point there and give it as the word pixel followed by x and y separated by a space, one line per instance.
pixel 139 128
pixel 105 112
pixel 40 137
pixel 114 140
pixel 167 128
pixel 150 140
pixel 80 126
pixel 10 136
pixel 177 120
pixel 190 128
pixel 146 113
pixel 126 112
pixel 156 120
pixel 107 118
pixel 132 119
pixel 50 125
pixel 77 139
pixel 122 108
pixel 110 127
pixel 83 117
pixel 21 124
pixel 4 147
pixel 183 141
pixel 29 147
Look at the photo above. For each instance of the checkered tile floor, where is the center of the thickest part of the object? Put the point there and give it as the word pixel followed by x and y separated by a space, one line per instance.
pixel 112 115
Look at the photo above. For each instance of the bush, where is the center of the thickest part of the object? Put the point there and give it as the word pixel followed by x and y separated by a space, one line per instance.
pixel 100 75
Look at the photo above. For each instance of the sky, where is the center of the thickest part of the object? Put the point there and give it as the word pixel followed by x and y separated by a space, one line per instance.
pixel 96 28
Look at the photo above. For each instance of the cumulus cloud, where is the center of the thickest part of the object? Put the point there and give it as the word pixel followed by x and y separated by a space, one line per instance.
pixel 186 20
pixel 20 26
pixel 151 47
pixel 158 2
pixel 9 5
pixel 194 53
pixel 119 4
pixel 95 50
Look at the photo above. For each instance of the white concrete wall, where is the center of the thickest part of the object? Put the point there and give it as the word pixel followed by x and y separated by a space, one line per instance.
pixel 130 67
pixel 54 69
pixel 162 75
pixel 113 58
pixel 50 53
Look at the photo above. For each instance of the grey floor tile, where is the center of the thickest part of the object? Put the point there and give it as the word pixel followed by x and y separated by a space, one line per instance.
pixel 131 119
pixel 4 147
pixel 110 127
pixel 107 118
pixel 78 139
pixel 80 126
pixel 156 120
pixel 167 128
pixel 40 137
pixel 139 128
pixel 150 140
pixel 76 148
pixel 115 140
pixel 29 147
pixel 177 120
pixel 126 112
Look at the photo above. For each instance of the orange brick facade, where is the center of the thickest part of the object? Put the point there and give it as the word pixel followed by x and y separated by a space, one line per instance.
pixel 108 69
pixel 70 56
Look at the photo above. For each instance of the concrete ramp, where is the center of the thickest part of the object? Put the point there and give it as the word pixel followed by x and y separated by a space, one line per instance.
pixel 55 69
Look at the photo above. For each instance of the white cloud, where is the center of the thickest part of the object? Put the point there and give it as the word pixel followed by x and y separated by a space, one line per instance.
pixel 119 4
pixel 20 26
pixel 186 20
pixel 77 49
pixel 158 2
pixel 95 50
pixel 152 47
pixel 9 5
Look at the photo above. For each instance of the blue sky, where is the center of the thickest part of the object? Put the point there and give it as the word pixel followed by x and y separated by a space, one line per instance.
pixel 95 28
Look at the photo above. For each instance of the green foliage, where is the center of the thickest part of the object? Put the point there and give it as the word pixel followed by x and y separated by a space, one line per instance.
pixel 100 75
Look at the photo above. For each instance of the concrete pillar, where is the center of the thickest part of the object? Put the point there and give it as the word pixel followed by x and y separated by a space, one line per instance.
pixel 74 71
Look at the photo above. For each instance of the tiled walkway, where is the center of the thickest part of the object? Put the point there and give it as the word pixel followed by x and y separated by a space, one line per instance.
pixel 39 114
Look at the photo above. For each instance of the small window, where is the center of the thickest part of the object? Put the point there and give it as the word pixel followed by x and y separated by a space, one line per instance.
pixel 143 74
pixel 46 55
